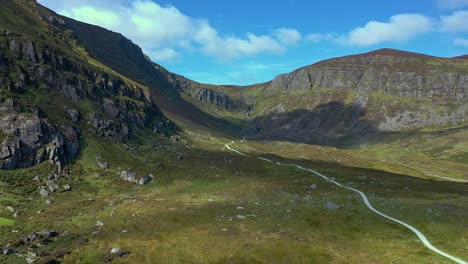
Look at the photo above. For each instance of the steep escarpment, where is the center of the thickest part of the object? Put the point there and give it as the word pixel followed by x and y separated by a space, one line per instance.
pixel 167 89
pixel 359 96
pixel 52 92
pixel 390 72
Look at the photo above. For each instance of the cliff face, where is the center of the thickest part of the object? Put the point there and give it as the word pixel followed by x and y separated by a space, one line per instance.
pixel 444 81
pixel 166 88
pixel 51 90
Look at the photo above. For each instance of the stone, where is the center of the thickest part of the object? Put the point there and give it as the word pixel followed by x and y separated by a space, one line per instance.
pixel 145 180
pixel 428 211
pixel 99 223
pixel 313 186
pixel 331 206
pixel 30 260
pixel 73 114
pixel 43 192
pixel 48 233
pixel 52 186
pixel 9 251
pixel 175 138
pixel 116 250
pixel 49 201
pixel 129 176
pixel 36 179
pixel 180 157
pixel 11 209
pixel 103 165
pixel 67 187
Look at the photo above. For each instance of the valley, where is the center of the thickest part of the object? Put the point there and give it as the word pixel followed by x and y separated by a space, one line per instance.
pixel 107 157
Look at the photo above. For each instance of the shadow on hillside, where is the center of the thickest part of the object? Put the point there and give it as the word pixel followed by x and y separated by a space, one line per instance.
pixel 331 124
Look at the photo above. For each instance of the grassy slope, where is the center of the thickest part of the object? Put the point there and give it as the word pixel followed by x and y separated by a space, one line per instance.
pixel 184 216
pixel 181 216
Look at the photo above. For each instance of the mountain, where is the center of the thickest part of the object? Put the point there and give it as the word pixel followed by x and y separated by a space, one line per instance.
pixel 462 57
pixel 124 57
pixel 52 90
pixel 357 96
pixel 107 157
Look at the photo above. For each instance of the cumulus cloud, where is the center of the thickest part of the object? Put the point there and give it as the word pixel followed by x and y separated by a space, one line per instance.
pixel 399 28
pixel 452 4
pixel 319 37
pixel 463 42
pixel 162 30
pixel 456 22
pixel 288 36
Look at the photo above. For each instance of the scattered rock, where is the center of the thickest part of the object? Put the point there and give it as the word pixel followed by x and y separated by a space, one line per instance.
pixel 11 209
pixel 67 187
pixel 240 208
pixel 52 186
pixel 102 165
pixel 48 233
pixel 49 201
pixel 175 138
pixel 36 179
pixel 44 193
pixel 131 176
pixel 313 186
pixel 116 250
pixel 331 206
pixel 180 157
pixel 99 223
pixel 73 114
pixel 9 251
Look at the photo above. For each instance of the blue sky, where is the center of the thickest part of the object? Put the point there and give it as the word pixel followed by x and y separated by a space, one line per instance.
pixel 245 42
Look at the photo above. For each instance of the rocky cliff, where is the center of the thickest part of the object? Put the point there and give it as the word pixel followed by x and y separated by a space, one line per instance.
pixel 51 90
pixel 391 72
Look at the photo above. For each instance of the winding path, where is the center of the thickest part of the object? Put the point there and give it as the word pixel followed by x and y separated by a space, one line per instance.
pixel 368 204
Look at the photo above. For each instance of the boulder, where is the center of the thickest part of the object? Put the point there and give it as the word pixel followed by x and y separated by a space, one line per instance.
pixel 73 114
pixel 128 175
pixel 147 179
pixel 116 250
pixel 43 192
pixel 9 251
pixel 67 187
pixel 331 206
pixel 48 233
pixel 102 165
pixel 52 186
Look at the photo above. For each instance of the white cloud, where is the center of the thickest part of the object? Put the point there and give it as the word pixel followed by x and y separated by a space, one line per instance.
pixel 164 54
pixel 288 36
pixel 93 16
pixel 319 37
pixel 460 42
pixel 452 4
pixel 456 22
pixel 400 28
pixel 163 30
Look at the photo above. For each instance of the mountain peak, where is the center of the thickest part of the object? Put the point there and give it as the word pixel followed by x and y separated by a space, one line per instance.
pixel 393 53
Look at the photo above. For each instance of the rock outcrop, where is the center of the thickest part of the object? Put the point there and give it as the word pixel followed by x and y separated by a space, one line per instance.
pixel 384 71
pixel 30 140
